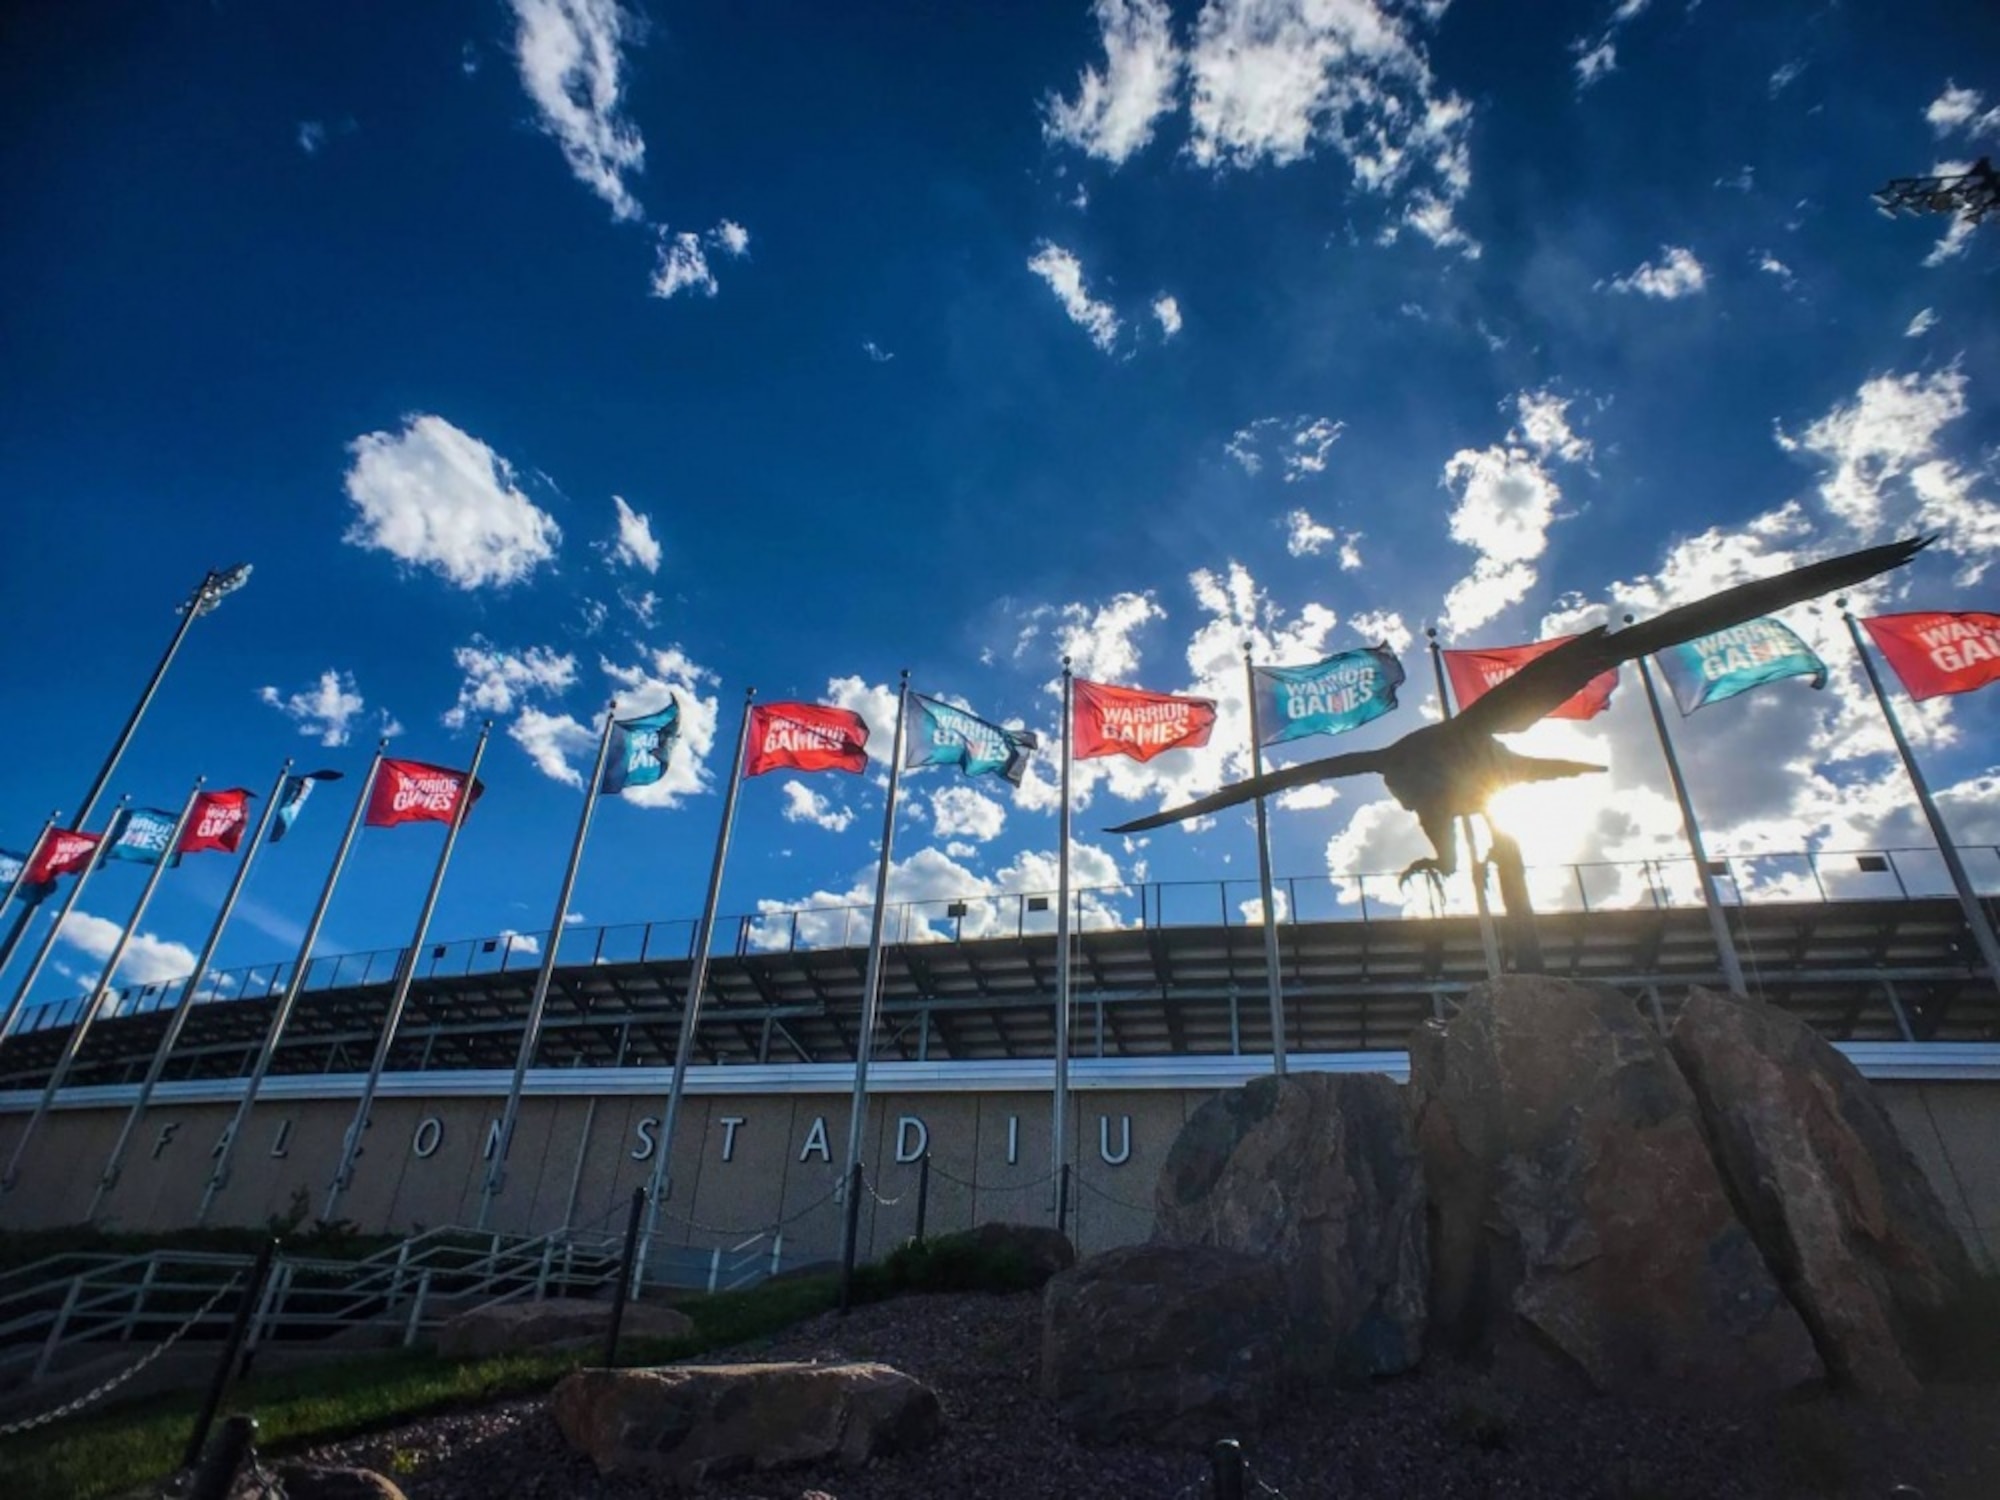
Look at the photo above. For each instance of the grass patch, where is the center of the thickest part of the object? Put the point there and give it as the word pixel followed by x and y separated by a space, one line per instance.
pixel 130 1448
pixel 964 1262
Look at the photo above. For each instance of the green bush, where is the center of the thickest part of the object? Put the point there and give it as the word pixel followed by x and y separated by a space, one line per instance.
pixel 952 1263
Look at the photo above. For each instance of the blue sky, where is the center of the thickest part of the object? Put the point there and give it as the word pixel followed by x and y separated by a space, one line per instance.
pixel 537 350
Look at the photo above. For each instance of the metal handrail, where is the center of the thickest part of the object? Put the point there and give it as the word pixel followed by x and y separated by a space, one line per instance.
pixel 1660 883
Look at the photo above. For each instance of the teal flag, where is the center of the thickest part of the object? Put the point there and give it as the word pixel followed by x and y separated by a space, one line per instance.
pixel 640 747
pixel 142 835
pixel 941 735
pixel 1329 697
pixel 1733 661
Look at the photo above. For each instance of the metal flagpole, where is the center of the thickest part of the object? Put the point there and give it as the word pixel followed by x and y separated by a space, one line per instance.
pixel 871 985
pixel 1274 979
pixel 90 866
pixel 108 1178
pixel 1968 900
pixel 1058 1140
pixel 704 942
pixel 350 1147
pixel 1489 940
pixel 531 1033
pixel 218 1177
pixel 20 880
pixel 73 1045
pixel 1718 920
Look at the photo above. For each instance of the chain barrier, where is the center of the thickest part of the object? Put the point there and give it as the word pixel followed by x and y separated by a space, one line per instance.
pixel 92 1397
pixel 879 1199
pixel 1264 1486
pixel 1091 1187
pixel 832 1191
pixel 982 1187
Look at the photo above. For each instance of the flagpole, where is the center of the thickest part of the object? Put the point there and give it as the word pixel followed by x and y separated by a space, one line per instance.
pixel 108 1178
pixel 871 985
pixel 531 1033
pixel 1718 920
pixel 1489 941
pixel 1058 1137
pixel 20 880
pixel 1274 979
pixel 218 1176
pixel 350 1147
pixel 90 866
pixel 1968 900
pixel 73 1044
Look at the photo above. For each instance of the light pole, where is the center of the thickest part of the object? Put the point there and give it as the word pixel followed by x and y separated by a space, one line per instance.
pixel 1970 195
pixel 215 584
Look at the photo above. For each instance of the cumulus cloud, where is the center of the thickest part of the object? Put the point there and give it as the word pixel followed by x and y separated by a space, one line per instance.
pixel 731 238
pixel 1962 111
pixel 496 681
pixel 645 685
pixel 1100 640
pixel 1770 265
pixel 1305 537
pixel 556 743
pixel 876 703
pixel 963 812
pixel 570 56
pixel 1064 274
pixel 435 497
pixel 1167 310
pixel 1674 275
pixel 634 544
pixel 147 959
pixel 1921 324
pixel 1382 627
pixel 327 710
pixel 682 267
pixel 804 805
pixel 1596 56
pixel 1114 111
pixel 1506 501
pixel 1298 444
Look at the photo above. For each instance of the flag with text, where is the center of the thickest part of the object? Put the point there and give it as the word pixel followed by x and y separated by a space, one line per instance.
pixel 1125 721
pixel 640 747
pixel 412 791
pixel 1329 697
pixel 65 851
pixel 1711 668
pixel 942 735
pixel 1935 654
pixel 805 737
pixel 142 834
pixel 1477 671
pixel 292 798
pixel 217 822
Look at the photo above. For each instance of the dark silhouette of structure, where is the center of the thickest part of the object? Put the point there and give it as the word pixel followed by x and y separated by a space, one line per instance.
pixel 1970 195
pixel 1450 769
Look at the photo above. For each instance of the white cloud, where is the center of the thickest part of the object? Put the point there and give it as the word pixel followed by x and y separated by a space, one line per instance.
pixel 1272 80
pixel 1921 324
pixel 683 267
pixel 146 960
pixel 554 742
pixel 1114 111
pixel 1676 274
pixel 312 136
pixel 1770 265
pixel 804 805
pixel 1064 275
pixel 1099 641
pixel 1595 62
pixel 327 710
pixel 1300 444
pixel 433 496
pixel 1957 238
pixel 1305 537
pixel 876 703
pixel 644 606
pixel 731 238
pixel 1785 75
pixel 876 353
pixel 1506 502
pixel 634 546
pixel 961 811
pixel 524 943
pixel 1168 311
pixel 1382 627
pixel 496 680
pixel 570 62
pixel 1958 109
pixel 643 687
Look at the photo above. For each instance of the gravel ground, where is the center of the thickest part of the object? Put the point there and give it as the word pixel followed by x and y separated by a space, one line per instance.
pixel 1448 1432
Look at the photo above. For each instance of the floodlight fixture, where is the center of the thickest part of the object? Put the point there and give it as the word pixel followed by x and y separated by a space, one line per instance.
pixel 1970 195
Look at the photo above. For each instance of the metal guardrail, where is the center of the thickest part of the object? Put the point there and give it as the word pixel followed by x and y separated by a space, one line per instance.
pixel 1744 879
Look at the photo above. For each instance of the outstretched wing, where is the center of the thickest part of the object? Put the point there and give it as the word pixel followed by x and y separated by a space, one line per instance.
pixel 1359 763
pixel 1544 683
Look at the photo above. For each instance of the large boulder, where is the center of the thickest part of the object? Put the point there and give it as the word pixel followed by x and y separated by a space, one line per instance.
pixel 684 1424
pixel 1038 1251
pixel 1842 1212
pixel 1319 1173
pixel 1576 1208
pixel 553 1323
pixel 1174 1344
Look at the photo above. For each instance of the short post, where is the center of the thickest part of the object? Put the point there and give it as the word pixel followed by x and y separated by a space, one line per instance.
pixel 239 1326
pixel 1226 1467
pixel 848 1237
pixel 628 1276
pixel 778 1250
pixel 714 1269
pixel 414 1322
pixel 923 1193
pixel 56 1331
pixel 1062 1200
pixel 223 1460
pixel 275 1290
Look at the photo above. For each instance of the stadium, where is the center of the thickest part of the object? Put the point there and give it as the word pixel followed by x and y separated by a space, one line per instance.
pixel 1170 1002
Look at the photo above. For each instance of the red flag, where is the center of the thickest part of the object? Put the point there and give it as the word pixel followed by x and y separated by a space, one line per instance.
pixel 1124 721
pixel 64 852
pixel 217 822
pixel 805 737
pixel 1936 654
pixel 1475 673
pixel 409 791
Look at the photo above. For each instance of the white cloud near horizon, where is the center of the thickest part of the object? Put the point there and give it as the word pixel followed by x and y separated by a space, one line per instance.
pixel 435 497
pixel 147 959
pixel 570 57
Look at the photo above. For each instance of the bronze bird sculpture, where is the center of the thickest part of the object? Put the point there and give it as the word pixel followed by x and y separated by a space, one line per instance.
pixel 1450 769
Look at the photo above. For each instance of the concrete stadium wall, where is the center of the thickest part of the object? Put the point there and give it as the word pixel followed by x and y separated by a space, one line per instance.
pixel 744 1163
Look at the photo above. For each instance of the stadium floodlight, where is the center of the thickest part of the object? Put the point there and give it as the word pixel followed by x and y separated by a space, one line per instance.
pixel 1968 195
pixel 217 583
